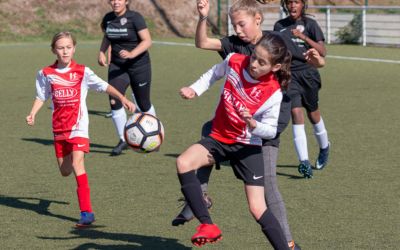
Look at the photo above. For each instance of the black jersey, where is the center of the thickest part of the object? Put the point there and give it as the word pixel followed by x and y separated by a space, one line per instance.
pixel 122 32
pixel 297 47
pixel 233 43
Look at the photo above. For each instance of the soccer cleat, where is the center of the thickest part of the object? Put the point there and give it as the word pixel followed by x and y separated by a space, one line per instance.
pixel 186 213
pixel 87 218
pixel 293 246
pixel 206 233
pixel 117 150
pixel 305 169
pixel 322 159
pixel 108 115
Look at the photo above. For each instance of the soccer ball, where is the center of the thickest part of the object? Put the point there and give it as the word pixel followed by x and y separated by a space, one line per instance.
pixel 144 132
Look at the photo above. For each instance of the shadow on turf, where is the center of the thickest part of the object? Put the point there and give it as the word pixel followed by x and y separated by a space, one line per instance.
pixel 297 177
pixel 47 142
pixel 133 241
pixel 37 205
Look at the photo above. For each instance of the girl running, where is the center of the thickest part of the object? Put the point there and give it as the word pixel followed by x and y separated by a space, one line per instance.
pixel 304 33
pixel 66 83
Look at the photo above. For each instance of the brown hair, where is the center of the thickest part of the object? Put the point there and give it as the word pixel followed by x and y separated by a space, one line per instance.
pixel 250 6
pixel 279 54
pixel 62 34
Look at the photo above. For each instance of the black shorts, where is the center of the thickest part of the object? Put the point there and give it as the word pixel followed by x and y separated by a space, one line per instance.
pixel 246 160
pixel 138 77
pixel 303 89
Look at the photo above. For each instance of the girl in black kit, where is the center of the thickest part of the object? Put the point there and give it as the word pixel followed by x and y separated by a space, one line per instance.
pixel 305 33
pixel 126 31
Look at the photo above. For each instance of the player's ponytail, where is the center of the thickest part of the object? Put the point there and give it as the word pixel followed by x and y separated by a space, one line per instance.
pixel 279 54
pixel 284 74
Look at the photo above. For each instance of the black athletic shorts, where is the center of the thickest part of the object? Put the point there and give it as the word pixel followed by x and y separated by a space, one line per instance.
pixel 138 77
pixel 246 160
pixel 303 89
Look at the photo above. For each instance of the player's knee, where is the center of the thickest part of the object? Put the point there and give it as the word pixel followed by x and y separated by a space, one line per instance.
pixel 183 164
pixel 115 104
pixel 256 211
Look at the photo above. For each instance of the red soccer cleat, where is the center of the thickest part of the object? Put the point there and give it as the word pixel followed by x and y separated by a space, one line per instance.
pixel 206 233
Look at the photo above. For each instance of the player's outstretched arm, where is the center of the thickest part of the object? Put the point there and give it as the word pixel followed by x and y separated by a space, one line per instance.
pixel 202 40
pixel 37 104
pixel 314 58
pixel 187 93
pixel 125 102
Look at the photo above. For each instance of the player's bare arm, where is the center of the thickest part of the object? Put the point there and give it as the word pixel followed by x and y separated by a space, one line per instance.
pixel 314 58
pixel 248 118
pixel 202 40
pixel 37 104
pixel 143 46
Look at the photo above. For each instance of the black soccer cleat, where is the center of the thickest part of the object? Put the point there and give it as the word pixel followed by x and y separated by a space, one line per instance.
pixel 186 213
pixel 117 150
pixel 305 169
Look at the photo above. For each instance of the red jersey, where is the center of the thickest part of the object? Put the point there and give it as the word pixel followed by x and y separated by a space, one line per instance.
pixel 262 97
pixel 68 88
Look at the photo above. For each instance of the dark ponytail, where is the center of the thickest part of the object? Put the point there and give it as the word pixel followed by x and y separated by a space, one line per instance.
pixel 279 54
pixel 284 76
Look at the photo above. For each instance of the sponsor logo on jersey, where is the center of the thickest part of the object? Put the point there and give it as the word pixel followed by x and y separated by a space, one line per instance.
pixel 64 93
pixel 115 30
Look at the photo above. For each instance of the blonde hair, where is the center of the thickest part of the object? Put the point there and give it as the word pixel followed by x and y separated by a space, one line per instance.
pixel 62 34
pixel 251 7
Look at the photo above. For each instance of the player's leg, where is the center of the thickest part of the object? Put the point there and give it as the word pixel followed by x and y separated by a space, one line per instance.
pixel 64 158
pixel 296 92
pixel 273 197
pixel 140 81
pixel 80 146
pixel 203 174
pixel 196 156
pixel 269 224
pixel 119 80
pixel 311 104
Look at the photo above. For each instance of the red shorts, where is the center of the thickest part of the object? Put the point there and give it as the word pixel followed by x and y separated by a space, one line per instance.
pixel 65 147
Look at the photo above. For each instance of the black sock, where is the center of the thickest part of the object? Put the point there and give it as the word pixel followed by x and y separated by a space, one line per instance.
pixel 191 189
pixel 272 229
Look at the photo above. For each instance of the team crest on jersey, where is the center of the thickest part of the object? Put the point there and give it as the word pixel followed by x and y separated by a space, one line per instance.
pixel 300 28
pixel 123 21
pixel 256 94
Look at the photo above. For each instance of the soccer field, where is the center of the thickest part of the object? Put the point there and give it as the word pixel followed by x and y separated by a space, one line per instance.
pixel 352 204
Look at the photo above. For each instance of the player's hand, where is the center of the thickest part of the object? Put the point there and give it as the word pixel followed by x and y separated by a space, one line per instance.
pixel 125 54
pixel 102 60
pixel 128 104
pixel 187 93
pixel 30 120
pixel 314 58
pixel 248 118
pixel 297 33
pixel 203 7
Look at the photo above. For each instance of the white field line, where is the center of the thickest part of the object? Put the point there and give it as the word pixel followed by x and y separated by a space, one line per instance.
pixel 329 56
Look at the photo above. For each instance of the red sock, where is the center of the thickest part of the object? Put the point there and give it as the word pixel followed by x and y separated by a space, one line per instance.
pixel 83 192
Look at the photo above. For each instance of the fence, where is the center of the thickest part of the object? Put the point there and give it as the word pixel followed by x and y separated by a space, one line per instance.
pixel 374 28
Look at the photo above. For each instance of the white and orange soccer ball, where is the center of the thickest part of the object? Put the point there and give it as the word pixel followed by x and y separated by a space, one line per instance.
pixel 144 132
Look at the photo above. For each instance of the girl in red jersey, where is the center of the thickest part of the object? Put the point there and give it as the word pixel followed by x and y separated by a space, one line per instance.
pixel 247 112
pixel 67 83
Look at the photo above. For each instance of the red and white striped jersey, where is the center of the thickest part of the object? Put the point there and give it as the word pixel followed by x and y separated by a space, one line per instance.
pixel 262 97
pixel 67 89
